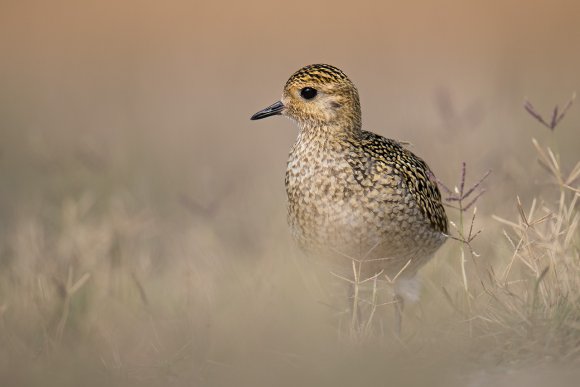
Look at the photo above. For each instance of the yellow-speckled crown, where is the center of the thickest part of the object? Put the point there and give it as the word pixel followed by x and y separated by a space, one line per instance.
pixel 322 73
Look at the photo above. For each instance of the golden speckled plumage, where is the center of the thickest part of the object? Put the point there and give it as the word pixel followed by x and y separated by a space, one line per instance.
pixel 353 192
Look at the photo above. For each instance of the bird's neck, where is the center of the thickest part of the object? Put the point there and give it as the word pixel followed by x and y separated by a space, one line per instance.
pixel 319 133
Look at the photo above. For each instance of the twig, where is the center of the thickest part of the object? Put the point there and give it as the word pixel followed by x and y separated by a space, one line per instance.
pixel 557 115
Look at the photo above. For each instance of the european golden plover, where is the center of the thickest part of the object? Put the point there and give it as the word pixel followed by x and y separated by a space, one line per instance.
pixel 353 193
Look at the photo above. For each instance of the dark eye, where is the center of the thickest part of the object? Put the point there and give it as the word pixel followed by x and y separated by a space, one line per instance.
pixel 308 93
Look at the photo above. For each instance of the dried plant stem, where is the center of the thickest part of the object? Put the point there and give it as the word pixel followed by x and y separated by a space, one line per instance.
pixel 354 323
pixel 70 289
pixel 463 199
pixel 468 295
pixel 557 115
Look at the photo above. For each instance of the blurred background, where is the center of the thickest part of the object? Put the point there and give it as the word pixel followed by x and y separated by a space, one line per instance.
pixel 142 214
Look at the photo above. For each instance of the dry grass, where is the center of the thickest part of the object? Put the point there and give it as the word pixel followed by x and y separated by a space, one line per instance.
pixel 106 286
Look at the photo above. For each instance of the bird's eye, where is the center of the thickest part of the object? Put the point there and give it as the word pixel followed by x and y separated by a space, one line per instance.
pixel 308 93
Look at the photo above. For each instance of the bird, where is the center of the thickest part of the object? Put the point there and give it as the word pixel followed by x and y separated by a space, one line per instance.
pixel 353 193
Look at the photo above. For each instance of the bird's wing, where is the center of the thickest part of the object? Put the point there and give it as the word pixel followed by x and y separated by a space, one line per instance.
pixel 414 172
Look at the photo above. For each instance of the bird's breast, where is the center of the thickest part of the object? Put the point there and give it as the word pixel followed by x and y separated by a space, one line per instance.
pixel 323 198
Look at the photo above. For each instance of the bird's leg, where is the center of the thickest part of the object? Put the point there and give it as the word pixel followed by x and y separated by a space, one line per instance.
pixel 399 305
pixel 409 287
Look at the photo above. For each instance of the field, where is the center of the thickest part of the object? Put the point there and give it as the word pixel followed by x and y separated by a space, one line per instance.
pixel 143 236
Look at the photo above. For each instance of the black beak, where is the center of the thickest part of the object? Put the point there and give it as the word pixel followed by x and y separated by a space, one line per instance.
pixel 272 110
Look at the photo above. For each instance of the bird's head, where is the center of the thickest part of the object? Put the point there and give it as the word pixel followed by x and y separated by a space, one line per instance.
pixel 318 95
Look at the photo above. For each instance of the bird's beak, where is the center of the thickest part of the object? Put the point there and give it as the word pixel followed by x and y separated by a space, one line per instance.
pixel 272 110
